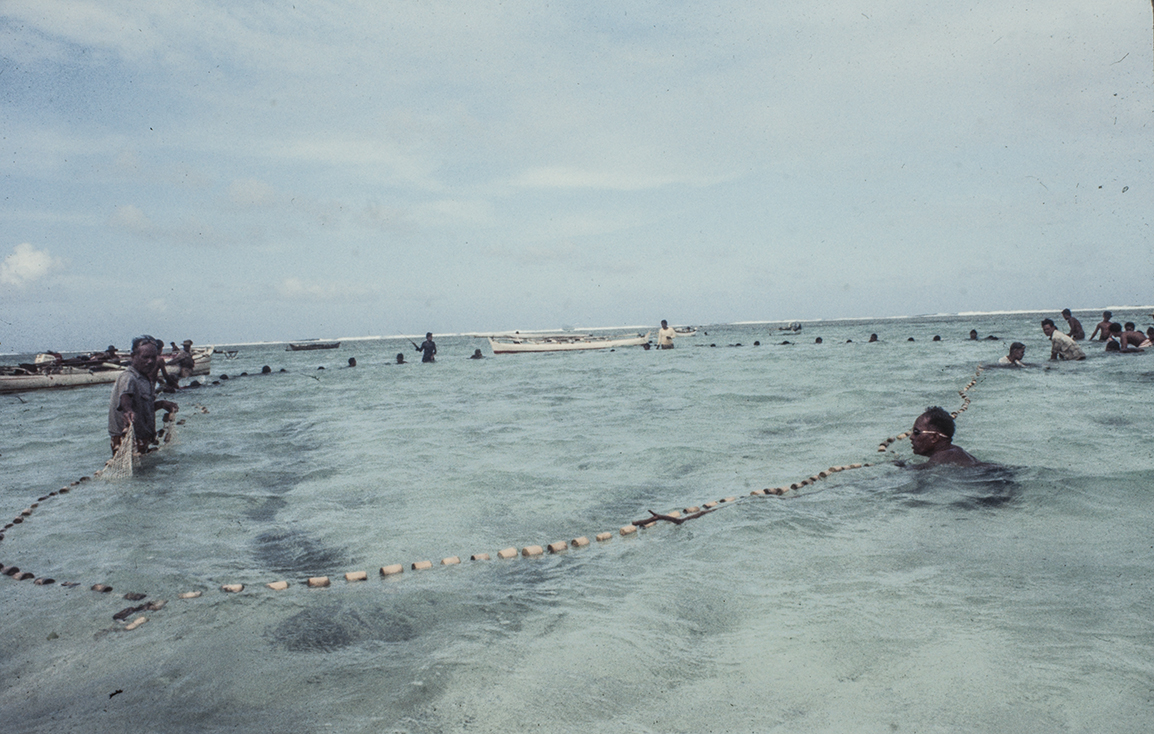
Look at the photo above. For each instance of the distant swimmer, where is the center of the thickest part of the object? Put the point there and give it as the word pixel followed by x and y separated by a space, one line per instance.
pixel 428 348
pixel 973 335
pixel 352 361
pixel 1077 333
pixel 665 336
pixel 400 358
pixel 873 337
pixel 134 398
pixel 1014 358
pixel 1061 345
pixel 933 436
pixel 817 340
pixel 1102 330
pixel 476 354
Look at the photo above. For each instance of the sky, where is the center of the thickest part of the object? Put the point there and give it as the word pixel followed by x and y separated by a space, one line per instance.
pixel 235 172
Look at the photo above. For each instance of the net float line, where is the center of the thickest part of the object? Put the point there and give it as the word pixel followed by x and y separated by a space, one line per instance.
pixel 394 570
pixel 117 460
pixel 119 466
pixel 885 444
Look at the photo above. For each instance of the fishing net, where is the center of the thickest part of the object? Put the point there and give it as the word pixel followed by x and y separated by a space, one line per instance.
pixel 169 437
pixel 120 465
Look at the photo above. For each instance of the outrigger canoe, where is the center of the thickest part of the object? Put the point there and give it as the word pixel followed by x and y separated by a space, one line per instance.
pixel 562 343
pixel 48 374
pixel 311 345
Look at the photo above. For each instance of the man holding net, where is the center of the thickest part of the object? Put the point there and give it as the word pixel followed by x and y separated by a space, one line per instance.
pixel 134 398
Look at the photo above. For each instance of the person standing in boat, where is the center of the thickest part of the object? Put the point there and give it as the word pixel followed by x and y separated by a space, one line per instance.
pixel 134 398
pixel 665 336
pixel 428 348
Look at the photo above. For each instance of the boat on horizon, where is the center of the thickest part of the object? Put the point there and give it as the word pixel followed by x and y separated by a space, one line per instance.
pixel 562 342
pixel 311 344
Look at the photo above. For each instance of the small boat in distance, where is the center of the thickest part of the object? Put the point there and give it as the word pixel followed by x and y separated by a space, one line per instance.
pixel 310 345
pixel 562 343
pixel 684 330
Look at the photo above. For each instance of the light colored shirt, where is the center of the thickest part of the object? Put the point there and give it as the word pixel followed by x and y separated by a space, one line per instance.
pixel 1062 346
pixel 131 382
pixel 665 336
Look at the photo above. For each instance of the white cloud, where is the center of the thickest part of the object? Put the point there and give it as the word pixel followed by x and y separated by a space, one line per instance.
pixel 560 177
pixel 27 264
pixel 252 194
pixel 131 218
pixel 296 289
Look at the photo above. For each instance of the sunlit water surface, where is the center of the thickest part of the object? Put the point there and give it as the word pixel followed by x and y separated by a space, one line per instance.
pixel 1016 599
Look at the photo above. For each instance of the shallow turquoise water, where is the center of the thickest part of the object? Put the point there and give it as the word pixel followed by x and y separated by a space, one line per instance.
pixel 877 600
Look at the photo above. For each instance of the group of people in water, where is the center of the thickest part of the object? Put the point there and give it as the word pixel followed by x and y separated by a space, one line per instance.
pixel 134 394
pixel 1117 338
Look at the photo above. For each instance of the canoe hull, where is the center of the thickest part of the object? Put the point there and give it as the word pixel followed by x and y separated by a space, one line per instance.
pixel 81 376
pixel 310 346
pixel 520 345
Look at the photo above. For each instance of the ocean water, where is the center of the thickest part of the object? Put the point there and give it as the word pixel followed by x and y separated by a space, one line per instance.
pixel 1014 599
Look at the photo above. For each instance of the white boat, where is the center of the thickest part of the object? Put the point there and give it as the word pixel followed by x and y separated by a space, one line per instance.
pixel 562 342
pixel 44 375
pixel 684 331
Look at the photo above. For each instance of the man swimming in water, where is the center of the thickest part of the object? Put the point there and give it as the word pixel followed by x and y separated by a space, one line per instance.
pixel 933 437
pixel 1014 358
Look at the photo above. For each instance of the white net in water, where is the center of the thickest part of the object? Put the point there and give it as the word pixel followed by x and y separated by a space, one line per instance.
pixel 120 465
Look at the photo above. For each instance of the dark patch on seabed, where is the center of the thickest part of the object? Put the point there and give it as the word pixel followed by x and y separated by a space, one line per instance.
pixel 293 552
pixel 329 627
pixel 267 511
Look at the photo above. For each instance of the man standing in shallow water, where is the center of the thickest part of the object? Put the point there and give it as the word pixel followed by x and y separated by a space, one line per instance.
pixel 933 437
pixel 1077 333
pixel 428 348
pixel 665 336
pixel 134 398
